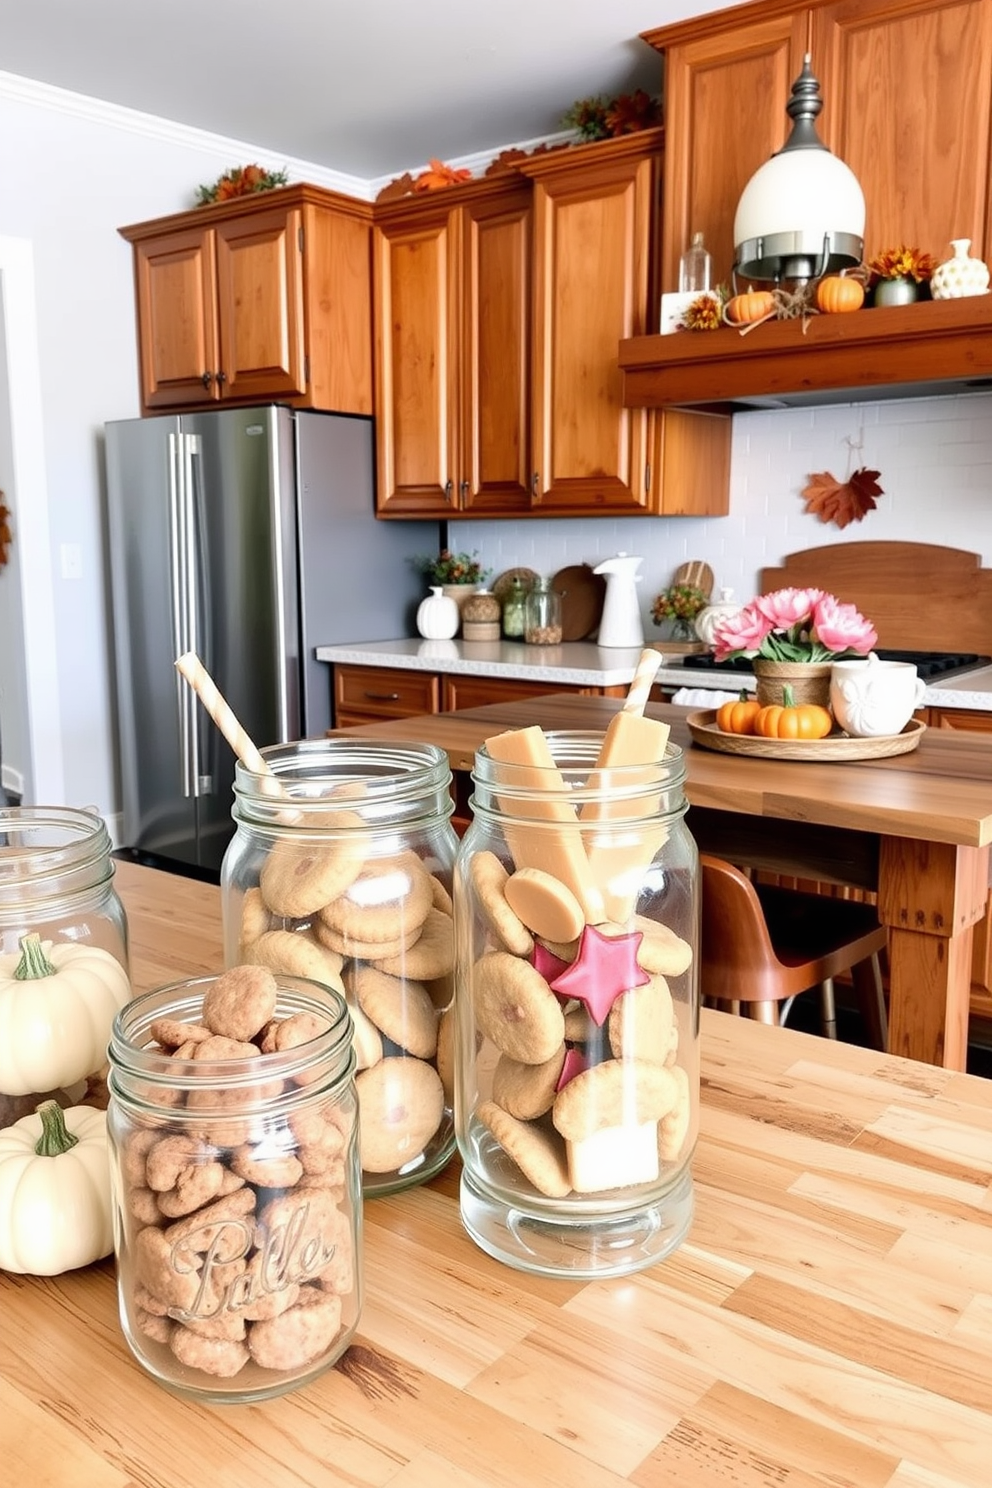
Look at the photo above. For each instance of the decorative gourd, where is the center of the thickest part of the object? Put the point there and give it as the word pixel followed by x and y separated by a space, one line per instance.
pixel 56 1211
pixel 739 715
pixel 751 305
pixel 837 294
pixel 57 1005
pixel 438 616
pixel 791 720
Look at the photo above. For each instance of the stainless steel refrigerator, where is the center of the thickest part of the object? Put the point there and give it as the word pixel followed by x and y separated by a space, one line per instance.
pixel 249 537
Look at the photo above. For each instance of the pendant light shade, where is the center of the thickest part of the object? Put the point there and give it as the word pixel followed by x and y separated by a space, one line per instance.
pixel 802 213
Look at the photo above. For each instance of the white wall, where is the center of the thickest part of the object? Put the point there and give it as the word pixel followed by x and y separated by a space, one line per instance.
pixel 74 171
pixel 935 459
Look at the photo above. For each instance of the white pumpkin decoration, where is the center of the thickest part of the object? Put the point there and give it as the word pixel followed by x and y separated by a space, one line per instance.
pixel 56 1211
pixel 57 1006
pixel 438 616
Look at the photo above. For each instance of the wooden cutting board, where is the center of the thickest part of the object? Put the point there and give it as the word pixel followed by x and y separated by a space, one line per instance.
pixel 919 596
pixel 696 573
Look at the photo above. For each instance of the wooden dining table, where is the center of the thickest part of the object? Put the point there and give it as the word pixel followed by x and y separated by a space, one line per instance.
pixel 827 1323
pixel 914 829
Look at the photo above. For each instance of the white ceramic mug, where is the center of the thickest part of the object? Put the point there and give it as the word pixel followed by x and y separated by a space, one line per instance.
pixel 870 698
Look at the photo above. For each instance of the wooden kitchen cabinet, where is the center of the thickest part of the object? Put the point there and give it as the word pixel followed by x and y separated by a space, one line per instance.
pixel 452 296
pixel 267 298
pixel 365 693
pixel 907 91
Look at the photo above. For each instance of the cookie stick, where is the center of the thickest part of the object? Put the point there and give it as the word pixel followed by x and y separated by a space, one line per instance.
pixel 630 739
pixel 559 850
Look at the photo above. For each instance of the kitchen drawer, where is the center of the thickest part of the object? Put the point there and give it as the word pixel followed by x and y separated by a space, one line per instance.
pixel 384 692
pixel 476 692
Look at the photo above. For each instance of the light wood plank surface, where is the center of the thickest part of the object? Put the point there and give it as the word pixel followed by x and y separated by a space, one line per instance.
pixel 828 1321
pixel 915 827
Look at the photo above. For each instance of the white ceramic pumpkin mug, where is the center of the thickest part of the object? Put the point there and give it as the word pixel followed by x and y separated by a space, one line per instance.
pixel 871 698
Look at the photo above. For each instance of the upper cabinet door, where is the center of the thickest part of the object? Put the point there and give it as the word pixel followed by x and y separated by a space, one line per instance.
pixel 594 210
pixel 494 401
pixel 907 90
pixel 177 323
pixel 415 293
pixel 260 305
pixel 726 93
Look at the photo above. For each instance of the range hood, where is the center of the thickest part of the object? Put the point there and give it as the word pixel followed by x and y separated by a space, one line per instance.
pixel 933 347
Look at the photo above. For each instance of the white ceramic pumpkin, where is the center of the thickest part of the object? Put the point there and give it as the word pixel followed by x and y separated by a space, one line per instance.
pixel 57 1005
pixel 56 1211
pixel 438 616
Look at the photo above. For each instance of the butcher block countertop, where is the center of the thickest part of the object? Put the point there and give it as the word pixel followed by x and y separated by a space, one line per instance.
pixel 827 1322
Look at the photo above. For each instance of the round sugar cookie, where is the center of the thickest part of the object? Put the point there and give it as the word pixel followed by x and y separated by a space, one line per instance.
pixel 446 1053
pixel 536 1151
pixel 255 917
pixel 352 948
pixel 489 879
pixel 527 1090
pixel 544 904
pixel 401 1104
pixel 440 897
pixel 389 898
pixel 431 956
pixel 674 1128
pixel 298 878
pixel 614 1093
pixel 641 1022
pixel 661 952
pixel 296 953
pixel 516 1009
pixel 402 1010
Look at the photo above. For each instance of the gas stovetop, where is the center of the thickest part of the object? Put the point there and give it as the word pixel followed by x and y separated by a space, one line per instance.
pixel 930 665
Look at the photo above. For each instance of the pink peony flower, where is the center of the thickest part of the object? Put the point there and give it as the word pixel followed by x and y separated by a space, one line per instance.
pixel 785 608
pixel 840 627
pixel 739 634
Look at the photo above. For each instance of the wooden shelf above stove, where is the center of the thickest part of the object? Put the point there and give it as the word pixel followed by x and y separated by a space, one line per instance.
pixel 932 347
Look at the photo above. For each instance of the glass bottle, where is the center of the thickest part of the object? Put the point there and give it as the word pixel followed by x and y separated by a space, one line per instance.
pixel 513 609
pixel 237 1189
pixel 59 910
pixel 542 615
pixel 577 1017
pixel 695 267
pixel 340 870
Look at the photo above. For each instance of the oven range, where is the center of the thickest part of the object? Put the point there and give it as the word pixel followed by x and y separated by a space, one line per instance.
pixel 929 664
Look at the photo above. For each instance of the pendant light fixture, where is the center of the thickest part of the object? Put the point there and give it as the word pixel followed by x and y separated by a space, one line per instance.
pixel 802 214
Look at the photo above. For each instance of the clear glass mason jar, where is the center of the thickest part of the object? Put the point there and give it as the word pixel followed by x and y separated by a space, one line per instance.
pixel 577 1023
pixel 59 916
pixel 237 1191
pixel 542 615
pixel 340 870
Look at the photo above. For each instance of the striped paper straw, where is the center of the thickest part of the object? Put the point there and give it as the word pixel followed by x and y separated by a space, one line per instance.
pixel 644 675
pixel 191 667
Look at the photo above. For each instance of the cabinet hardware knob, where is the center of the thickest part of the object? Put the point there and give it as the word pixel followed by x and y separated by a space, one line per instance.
pixel 221 376
pixel 448 489
pixel 464 489
pixel 207 379
pixel 535 483
pixel 383 697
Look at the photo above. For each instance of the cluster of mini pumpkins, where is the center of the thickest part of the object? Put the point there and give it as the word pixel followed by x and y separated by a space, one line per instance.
pixel 834 294
pixel 785 720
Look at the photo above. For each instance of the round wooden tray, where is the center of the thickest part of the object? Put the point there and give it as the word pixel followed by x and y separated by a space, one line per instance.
pixel 582 595
pixel 703 728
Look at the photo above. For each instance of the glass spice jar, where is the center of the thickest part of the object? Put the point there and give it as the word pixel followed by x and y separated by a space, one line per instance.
pixel 237 1192
pixel 481 617
pixel 577 906
pixel 513 609
pixel 340 870
pixel 63 954
pixel 542 615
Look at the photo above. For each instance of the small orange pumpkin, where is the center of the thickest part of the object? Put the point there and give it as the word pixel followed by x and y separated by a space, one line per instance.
pixel 753 304
pixel 738 716
pixel 791 720
pixel 837 294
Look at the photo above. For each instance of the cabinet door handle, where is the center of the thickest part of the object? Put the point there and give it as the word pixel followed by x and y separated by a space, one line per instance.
pixel 535 483
pixel 383 697
pixel 221 376
pixel 448 489
pixel 207 379
pixel 464 489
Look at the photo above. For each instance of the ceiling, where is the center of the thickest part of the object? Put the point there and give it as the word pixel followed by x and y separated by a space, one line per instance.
pixel 369 88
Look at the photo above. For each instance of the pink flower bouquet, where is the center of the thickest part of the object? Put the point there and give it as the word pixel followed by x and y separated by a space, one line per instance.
pixel 795 625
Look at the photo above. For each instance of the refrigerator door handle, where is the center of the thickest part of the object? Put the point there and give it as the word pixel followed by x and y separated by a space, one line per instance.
pixel 191 450
pixel 178 584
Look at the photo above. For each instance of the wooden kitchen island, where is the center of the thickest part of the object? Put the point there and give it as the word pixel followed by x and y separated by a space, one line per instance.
pixel 915 828
pixel 827 1322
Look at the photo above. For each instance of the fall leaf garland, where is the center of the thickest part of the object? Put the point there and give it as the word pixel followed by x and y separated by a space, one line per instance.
pixel 842 502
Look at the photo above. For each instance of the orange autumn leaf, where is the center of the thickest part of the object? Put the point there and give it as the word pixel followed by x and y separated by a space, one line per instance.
pixel 439 175
pixel 842 502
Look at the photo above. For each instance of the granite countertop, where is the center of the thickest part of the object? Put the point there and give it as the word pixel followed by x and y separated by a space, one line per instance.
pixel 584 664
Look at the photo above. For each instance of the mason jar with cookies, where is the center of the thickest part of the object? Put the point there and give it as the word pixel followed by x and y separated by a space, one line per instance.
pixel 340 871
pixel 576 897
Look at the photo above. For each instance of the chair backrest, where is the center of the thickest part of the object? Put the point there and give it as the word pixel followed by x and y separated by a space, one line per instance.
pixel 737 958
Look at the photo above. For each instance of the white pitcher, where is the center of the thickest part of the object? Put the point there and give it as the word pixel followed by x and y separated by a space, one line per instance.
pixel 621 623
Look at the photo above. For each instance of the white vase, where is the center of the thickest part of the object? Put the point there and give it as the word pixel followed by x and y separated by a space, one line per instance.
pixel 437 616
pixel 961 275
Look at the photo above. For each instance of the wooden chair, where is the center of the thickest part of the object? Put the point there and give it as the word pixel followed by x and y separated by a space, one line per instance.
pixel 762 946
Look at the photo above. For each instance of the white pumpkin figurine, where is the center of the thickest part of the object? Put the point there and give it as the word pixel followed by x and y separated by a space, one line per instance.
pixel 56 1211
pixel 707 620
pixel 438 616
pixel 57 1007
pixel 960 276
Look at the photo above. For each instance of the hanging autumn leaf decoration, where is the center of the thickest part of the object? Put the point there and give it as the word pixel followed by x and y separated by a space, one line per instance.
pixel 842 502
pixel 438 175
